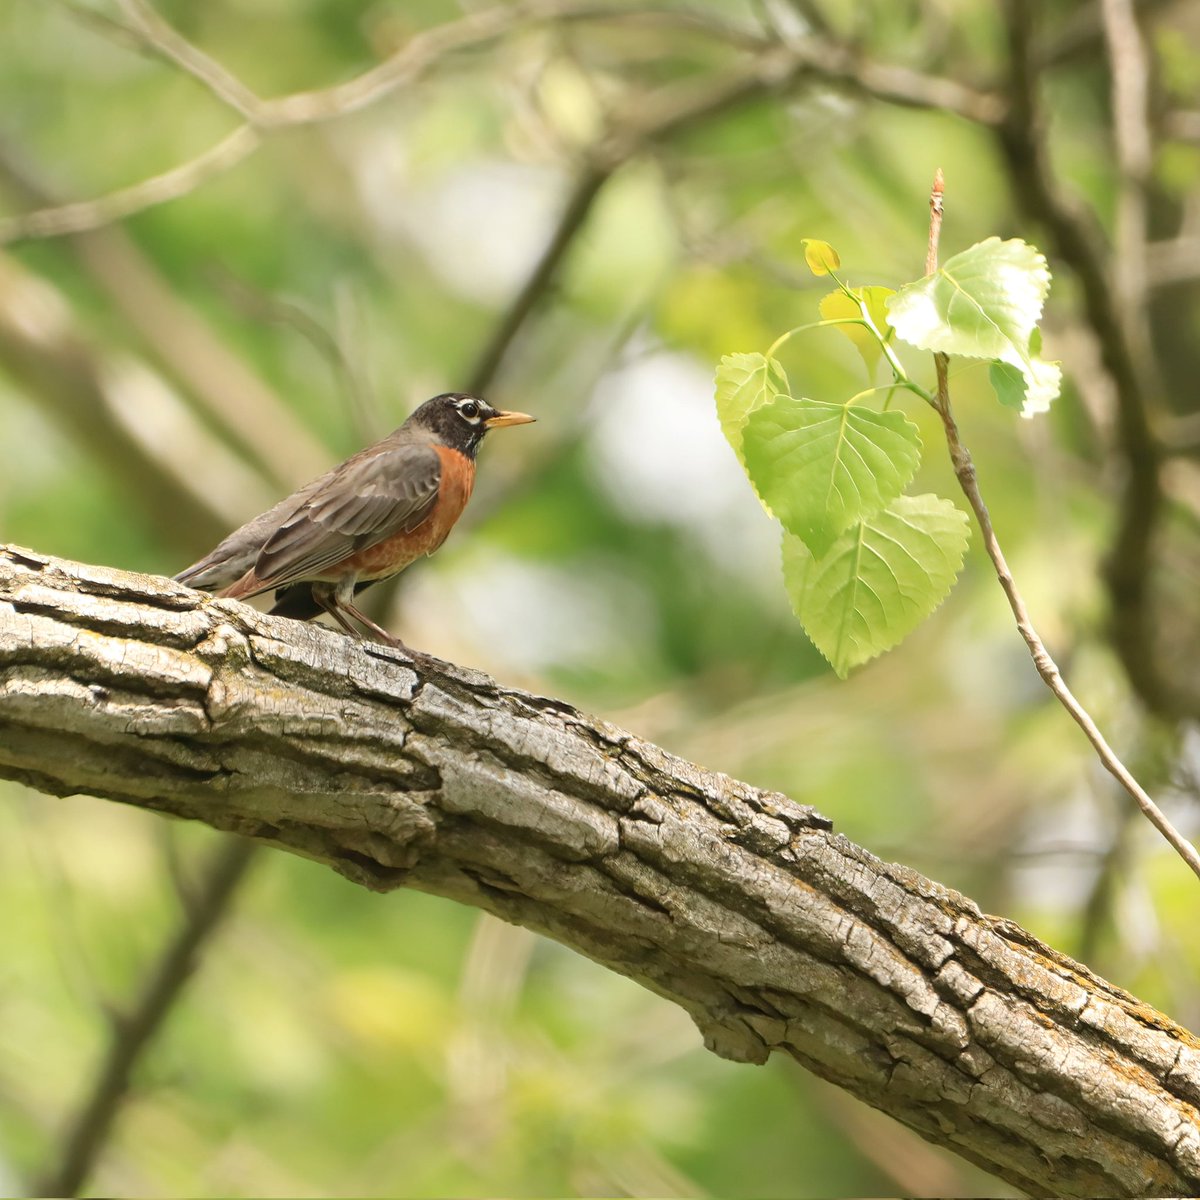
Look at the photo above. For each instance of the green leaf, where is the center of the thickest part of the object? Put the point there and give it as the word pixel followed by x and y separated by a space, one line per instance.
pixel 879 580
pixel 837 306
pixel 821 257
pixel 984 303
pixel 744 383
pixel 821 467
pixel 1009 385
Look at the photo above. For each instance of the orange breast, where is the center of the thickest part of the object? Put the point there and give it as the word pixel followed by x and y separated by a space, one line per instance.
pixel 395 553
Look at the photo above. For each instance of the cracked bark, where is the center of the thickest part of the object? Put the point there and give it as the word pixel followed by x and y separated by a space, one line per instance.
pixel 769 929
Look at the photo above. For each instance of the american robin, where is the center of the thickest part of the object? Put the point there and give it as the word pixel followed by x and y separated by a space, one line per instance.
pixel 363 521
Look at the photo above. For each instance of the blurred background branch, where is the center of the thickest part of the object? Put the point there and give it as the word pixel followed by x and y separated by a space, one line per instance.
pixel 134 1030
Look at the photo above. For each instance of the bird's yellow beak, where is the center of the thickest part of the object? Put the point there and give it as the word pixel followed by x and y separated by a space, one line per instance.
pixel 508 418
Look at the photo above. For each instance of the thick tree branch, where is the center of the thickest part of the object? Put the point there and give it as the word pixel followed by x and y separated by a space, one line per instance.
pixel 742 907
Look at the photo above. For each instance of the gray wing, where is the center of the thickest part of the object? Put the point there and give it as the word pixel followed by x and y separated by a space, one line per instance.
pixel 237 553
pixel 365 501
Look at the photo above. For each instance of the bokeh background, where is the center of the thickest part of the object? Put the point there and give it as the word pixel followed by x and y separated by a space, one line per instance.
pixel 579 213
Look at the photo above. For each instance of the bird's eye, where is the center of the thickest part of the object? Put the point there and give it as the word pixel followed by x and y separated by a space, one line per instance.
pixel 469 409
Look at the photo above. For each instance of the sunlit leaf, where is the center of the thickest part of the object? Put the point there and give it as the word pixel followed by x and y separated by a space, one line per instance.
pixel 820 256
pixel 821 467
pixel 879 580
pixel 838 306
pixel 984 303
pixel 744 383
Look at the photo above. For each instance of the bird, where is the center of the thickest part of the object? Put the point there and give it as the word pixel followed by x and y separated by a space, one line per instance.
pixel 363 521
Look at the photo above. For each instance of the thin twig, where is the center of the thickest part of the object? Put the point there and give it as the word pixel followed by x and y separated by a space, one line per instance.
pixel 541 278
pixel 83 215
pixel 936 212
pixel 811 58
pixel 669 113
pixel 167 42
pixel 964 469
pixel 89 1129
pixel 403 67
pixel 675 110
pixel 407 64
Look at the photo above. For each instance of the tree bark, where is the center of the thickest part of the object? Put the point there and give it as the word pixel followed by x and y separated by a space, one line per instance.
pixel 772 931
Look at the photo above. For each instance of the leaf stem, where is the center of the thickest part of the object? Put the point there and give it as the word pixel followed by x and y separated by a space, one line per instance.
pixel 783 337
pixel 881 387
pixel 964 469
pixel 867 322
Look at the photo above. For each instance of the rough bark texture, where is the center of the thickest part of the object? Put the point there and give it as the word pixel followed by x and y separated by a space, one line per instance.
pixel 772 931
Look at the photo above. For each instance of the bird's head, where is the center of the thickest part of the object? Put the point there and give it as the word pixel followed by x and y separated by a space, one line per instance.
pixel 460 420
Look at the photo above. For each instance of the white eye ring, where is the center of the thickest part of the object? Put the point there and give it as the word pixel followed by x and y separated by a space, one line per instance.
pixel 470 410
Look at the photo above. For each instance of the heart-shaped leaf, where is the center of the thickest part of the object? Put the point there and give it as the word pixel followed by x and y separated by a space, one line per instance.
pixel 879 580
pixel 744 383
pixel 821 467
pixel 984 303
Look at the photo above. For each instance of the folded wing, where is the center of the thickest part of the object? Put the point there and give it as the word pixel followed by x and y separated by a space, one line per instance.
pixel 369 499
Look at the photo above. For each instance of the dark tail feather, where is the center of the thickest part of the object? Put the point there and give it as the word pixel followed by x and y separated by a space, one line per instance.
pixel 296 601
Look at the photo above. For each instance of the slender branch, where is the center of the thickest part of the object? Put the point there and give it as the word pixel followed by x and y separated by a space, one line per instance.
pixel 132 1032
pixel 937 211
pixel 770 64
pixel 964 469
pixel 165 40
pixel 666 114
pixel 543 276
pixel 83 215
pixel 410 62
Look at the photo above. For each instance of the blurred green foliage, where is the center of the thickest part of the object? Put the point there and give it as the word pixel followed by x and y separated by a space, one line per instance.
pixel 336 1042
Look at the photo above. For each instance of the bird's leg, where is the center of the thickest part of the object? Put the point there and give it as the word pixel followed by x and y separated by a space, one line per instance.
pixel 326 599
pixel 379 632
pixel 338 603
